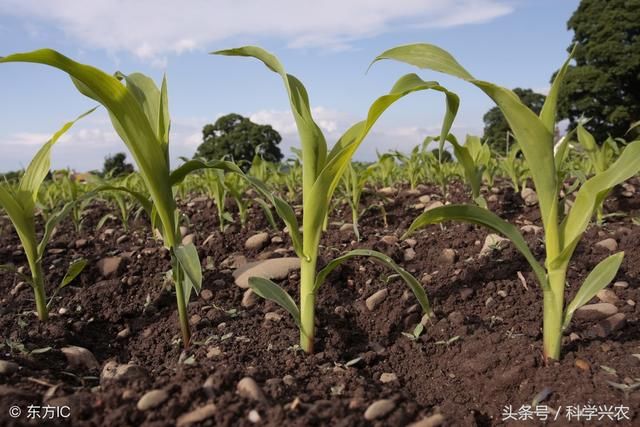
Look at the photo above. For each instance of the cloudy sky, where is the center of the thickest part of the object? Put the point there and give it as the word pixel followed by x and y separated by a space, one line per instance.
pixel 328 44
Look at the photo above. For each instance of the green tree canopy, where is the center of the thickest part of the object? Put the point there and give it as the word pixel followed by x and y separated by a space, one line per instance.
pixel 116 165
pixel 604 83
pixel 496 126
pixel 236 137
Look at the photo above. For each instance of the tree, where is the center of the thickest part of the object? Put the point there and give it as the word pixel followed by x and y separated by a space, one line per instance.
pixel 604 84
pixel 496 126
pixel 236 137
pixel 116 165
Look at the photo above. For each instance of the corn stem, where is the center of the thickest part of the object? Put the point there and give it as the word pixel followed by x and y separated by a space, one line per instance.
pixel 307 302
pixel 37 276
pixel 553 303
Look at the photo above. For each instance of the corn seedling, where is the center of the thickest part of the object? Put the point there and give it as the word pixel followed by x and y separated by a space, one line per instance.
pixel 214 182
pixel 20 204
pixel 322 170
pixel 513 167
pixel 353 183
pixel 473 156
pixel 535 136
pixel 72 191
pixel 139 113
pixel 600 159
pixel 124 202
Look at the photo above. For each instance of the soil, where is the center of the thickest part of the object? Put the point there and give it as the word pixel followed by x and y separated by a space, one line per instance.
pixel 480 354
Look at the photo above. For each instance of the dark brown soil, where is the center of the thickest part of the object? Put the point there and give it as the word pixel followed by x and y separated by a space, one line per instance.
pixel 481 353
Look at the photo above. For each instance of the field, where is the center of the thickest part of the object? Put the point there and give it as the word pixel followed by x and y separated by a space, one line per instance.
pixel 446 286
pixel 453 368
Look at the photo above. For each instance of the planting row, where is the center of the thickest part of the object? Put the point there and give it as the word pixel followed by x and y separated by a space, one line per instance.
pixel 571 176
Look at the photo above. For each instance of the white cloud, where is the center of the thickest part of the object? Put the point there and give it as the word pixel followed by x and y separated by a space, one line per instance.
pixel 152 29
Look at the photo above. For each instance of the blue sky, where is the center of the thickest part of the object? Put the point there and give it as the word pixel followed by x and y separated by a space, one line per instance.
pixel 328 44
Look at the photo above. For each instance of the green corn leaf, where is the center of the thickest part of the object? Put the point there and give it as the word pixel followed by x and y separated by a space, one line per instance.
pixel 40 164
pixel 75 268
pixel 533 134
pixel 590 195
pixel 312 141
pixel 590 146
pixel 267 212
pixel 179 174
pixel 472 172
pixel 341 154
pixel 144 201
pixel 548 112
pixel 187 256
pixel 22 221
pixel 480 216
pixel 598 279
pixel 53 220
pixel 411 281
pixel 272 292
pixel 561 150
pixel 103 220
pixel 284 211
pixel 129 121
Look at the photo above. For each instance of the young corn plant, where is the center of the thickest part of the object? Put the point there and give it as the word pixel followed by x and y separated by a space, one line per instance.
pixel 322 170
pixel 20 204
pixel 140 115
pixel 216 187
pixel 473 157
pixel 123 201
pixel 535 136
pixel 514 167
pixel 353 181
pixel 600 157
pixel 72 191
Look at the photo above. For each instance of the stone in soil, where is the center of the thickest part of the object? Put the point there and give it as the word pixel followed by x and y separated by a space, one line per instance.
pixel 152 399
pixel 274 269
pixel 375 299
pixel 80 358
pixel 197 415
pixel 379 409
pixel 609 244
pixel 257 241
pixel 109 267
pixel 595 311
pixel 248 388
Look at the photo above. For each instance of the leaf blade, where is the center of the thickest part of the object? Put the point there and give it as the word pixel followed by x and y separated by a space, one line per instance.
pixel 598 279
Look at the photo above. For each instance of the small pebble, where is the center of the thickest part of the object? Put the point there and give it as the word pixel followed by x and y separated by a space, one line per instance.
pixel 249 298
pixel 206 294
pixel 388 377
pixel 435 420
pixel 375 299
pixel 272 317
pixel 152 399
pixel 607 295
pixel 582 364
pixel 379 409
pixel 609 244
pixel 196 416
pixel 248 388
pixel 254 416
